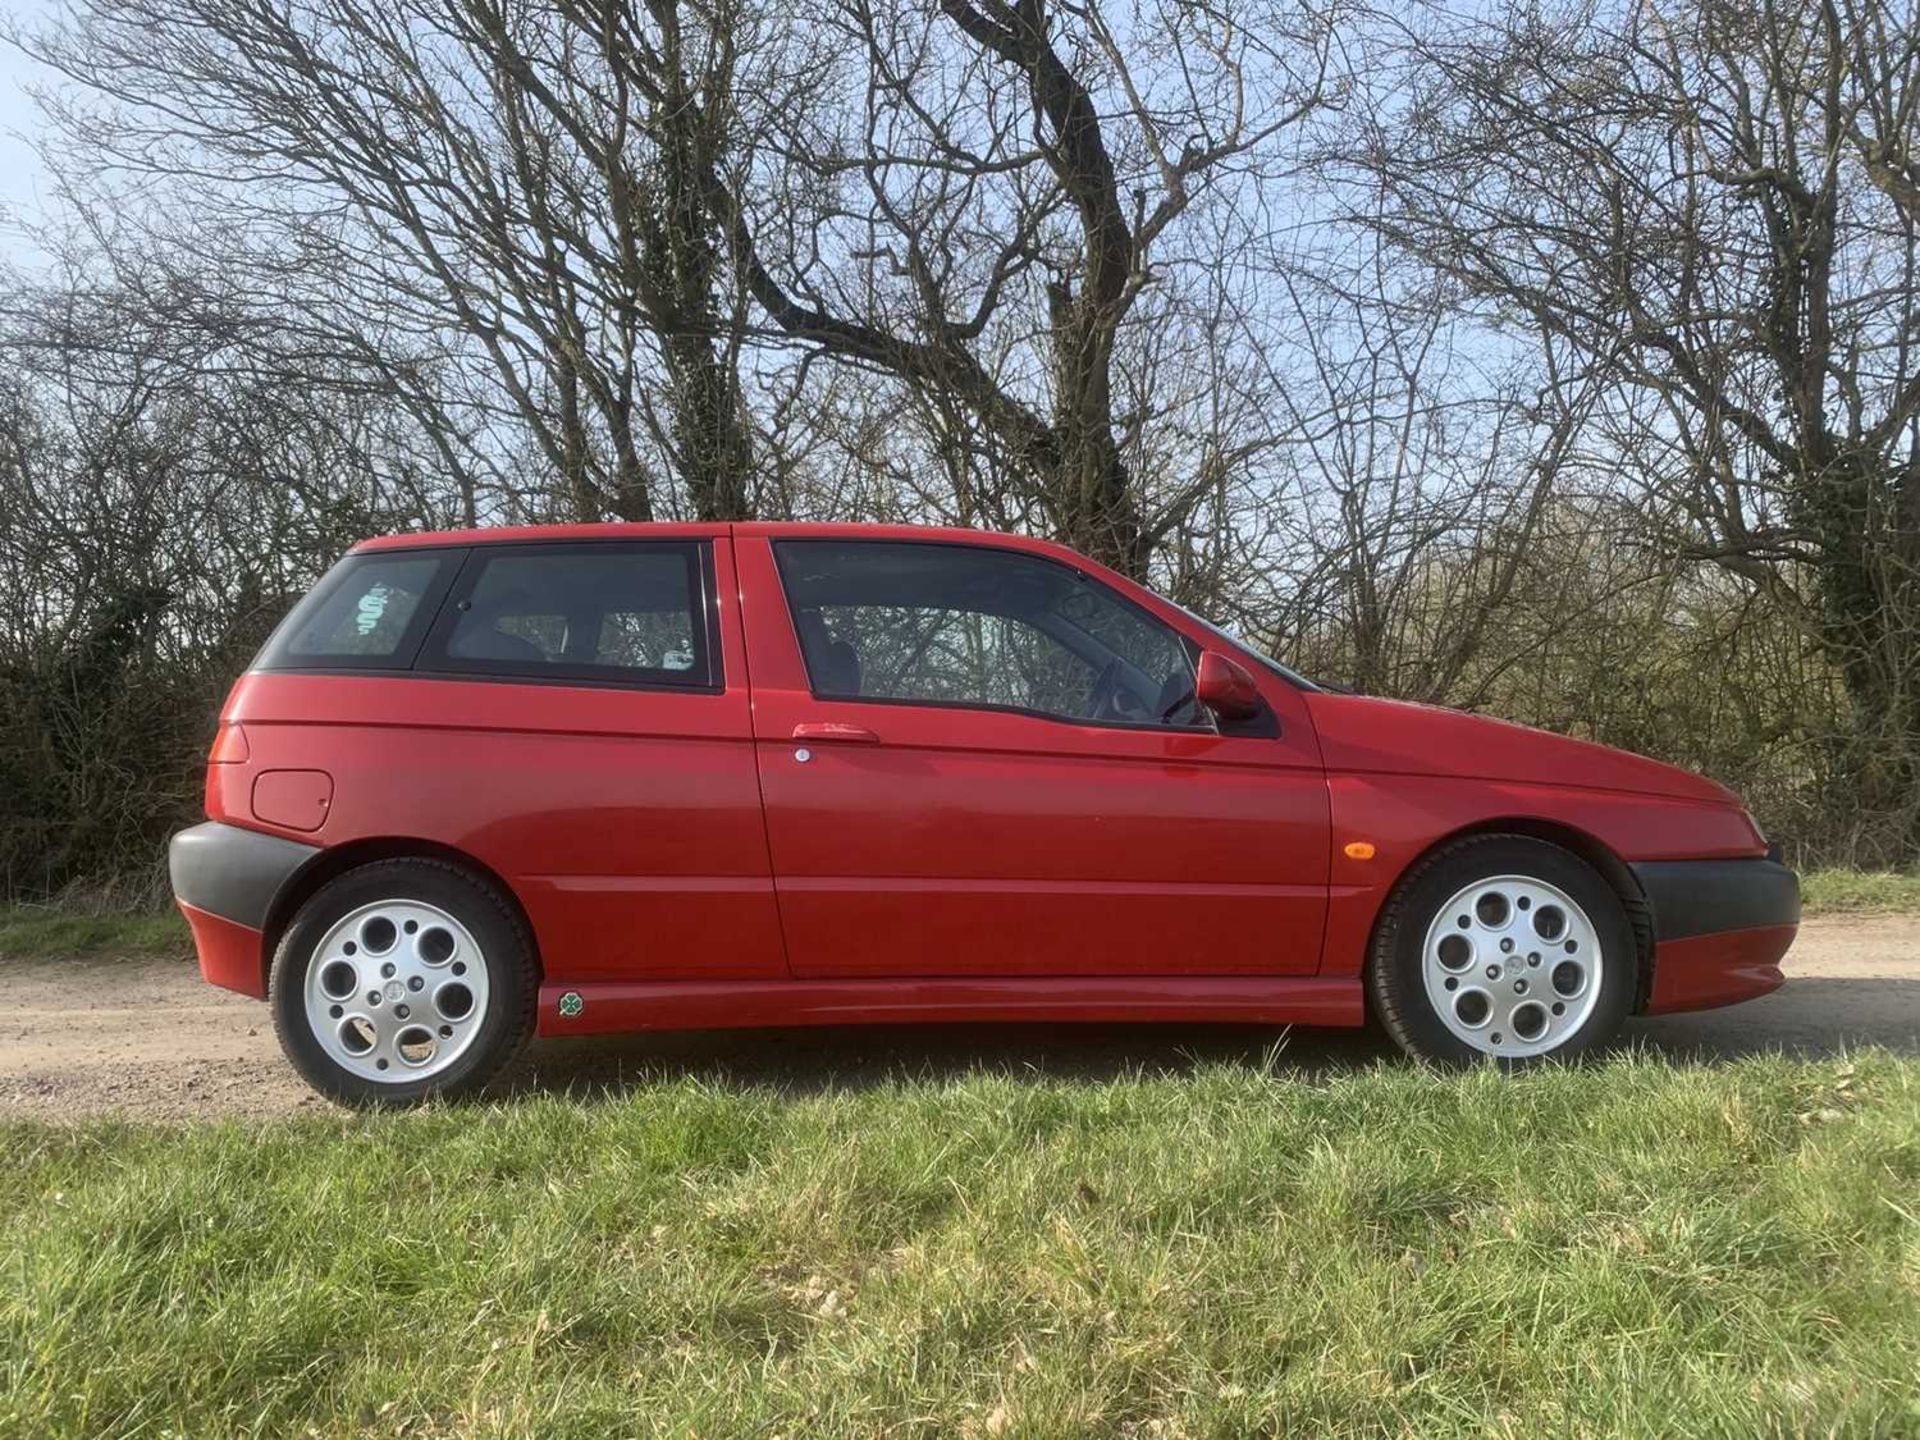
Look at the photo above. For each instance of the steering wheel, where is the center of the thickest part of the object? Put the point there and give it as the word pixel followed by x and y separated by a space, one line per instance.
pixel 1108 700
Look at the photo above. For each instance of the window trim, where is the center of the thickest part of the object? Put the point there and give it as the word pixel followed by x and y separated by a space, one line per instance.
pixel 432 662
pixel 1207 726
pixel 274 657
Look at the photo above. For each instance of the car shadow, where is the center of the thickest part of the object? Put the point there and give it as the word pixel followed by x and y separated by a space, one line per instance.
pixel 1812 1017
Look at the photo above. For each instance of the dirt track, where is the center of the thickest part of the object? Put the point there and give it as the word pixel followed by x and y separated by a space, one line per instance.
pixel 147 1038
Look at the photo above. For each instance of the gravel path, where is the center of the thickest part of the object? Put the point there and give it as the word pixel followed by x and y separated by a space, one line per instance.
pixel 147 1038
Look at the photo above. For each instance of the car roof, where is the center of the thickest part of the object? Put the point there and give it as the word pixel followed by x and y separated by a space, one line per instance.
pixel 775 530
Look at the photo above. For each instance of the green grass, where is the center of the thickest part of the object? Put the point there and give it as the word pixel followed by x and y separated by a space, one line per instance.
pixel 1859 892
pixel 31 932
pixel 1644 1249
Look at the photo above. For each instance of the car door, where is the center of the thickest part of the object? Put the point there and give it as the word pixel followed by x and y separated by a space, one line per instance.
pixel 979 760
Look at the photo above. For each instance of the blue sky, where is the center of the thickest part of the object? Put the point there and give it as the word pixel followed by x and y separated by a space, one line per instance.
pixel 23 185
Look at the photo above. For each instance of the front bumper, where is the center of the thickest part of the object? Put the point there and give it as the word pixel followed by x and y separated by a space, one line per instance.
pixel 1720 929
pixel 225 879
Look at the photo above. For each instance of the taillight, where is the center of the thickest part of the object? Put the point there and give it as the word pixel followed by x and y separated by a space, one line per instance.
pixel 229 747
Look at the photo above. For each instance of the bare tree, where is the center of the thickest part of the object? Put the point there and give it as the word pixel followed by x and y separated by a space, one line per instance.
pixel 479 177
pixel 986 223
pixel 163 497
pixel 1712 200
pixel 1558 361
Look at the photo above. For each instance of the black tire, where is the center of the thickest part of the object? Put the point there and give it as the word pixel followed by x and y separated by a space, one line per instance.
pixel 1396 965
pixel 513 980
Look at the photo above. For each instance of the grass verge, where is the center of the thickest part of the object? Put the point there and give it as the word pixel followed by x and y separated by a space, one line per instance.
pixel 1643 1249
pixel 32 932
pixel 1859 892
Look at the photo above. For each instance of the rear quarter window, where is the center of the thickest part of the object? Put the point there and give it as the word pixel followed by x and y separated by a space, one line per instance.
pixel 622 613
pixel 369 611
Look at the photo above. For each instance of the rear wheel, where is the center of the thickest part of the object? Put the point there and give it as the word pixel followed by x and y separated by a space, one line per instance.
pixel 400 980
pixel 1502 946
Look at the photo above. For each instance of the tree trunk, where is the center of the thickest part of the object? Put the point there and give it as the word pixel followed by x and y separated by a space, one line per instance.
pixel 1092 493
pixel 1868 586
pixel 1090 489
pixel 680 260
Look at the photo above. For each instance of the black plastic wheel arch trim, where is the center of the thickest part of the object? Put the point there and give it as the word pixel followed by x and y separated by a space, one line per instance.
pixel 1707 897
pixel 232 872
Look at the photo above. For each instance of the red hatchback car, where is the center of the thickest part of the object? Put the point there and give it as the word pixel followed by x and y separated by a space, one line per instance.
pixel 598 778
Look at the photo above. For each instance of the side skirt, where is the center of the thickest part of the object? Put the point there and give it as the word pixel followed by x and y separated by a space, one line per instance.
pixel 605 1007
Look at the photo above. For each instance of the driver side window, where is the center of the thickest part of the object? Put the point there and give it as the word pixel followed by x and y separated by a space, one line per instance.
pixel 967 625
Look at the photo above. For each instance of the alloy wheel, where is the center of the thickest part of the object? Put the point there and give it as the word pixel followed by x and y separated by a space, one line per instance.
pixel 396 991
pixel 1512 966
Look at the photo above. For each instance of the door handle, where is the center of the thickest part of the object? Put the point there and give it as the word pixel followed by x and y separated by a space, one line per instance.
pixel 834 732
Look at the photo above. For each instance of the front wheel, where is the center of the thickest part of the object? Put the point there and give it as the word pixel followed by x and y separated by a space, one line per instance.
pixel 400 980
pixel 1506 947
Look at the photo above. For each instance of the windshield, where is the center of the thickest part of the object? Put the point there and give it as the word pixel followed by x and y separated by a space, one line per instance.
pixel 1266 662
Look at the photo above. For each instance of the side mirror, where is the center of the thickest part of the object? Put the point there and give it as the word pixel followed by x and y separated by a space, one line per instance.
pixel 1225 689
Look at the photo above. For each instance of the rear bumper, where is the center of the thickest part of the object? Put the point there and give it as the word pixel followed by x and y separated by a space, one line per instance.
pixel 225 879
pixel 1720 929
pixel 231 956
pixel 233 873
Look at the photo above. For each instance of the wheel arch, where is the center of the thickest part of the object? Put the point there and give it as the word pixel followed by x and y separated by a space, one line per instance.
pixel 1590 848
pixel 336 860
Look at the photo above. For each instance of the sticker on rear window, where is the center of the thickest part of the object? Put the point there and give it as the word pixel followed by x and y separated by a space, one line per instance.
pixel 373 605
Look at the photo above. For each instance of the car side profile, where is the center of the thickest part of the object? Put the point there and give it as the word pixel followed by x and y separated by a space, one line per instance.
pixel 583 779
